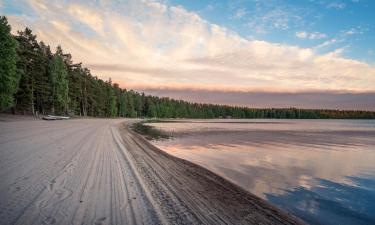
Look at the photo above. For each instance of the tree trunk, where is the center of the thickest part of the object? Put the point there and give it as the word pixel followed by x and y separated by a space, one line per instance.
pixel 53 101
pixel 85 101
pixel 32 99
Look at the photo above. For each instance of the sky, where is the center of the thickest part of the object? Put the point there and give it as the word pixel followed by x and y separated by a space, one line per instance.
pixel 270 53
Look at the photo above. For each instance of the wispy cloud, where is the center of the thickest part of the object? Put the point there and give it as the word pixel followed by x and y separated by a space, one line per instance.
pixel 311 36
pixel 342 38
pixel 262 17
pixel 162 45
pixel 327 43
pixel 280 18
pixel 240 13
pixel 87 16
pixel 336 5
pixel 354 31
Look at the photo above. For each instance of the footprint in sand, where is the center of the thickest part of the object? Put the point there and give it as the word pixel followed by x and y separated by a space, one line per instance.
pixel 100 221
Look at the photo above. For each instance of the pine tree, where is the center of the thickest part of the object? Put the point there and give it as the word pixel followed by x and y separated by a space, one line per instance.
pixel 42 90
pixel 110 108
pixel 9 77
pixel 122 104
pixel 130 112
pixel 58 76
pixel 27 53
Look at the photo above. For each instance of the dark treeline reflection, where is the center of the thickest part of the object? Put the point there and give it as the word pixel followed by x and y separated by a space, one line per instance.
pixel 36 80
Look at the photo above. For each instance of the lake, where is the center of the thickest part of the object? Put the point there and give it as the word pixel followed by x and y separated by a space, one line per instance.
pixel 322 171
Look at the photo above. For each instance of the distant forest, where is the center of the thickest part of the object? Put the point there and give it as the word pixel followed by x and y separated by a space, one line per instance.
pixel 35 80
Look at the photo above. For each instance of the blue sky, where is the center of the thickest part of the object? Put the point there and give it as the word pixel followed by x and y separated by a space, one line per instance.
pixel 350 22
pixel 313 50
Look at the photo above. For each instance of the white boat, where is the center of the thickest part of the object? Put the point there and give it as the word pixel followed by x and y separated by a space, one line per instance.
pixel 50 117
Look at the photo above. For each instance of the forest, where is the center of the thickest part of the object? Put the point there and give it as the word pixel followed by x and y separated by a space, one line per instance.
pixel 35 80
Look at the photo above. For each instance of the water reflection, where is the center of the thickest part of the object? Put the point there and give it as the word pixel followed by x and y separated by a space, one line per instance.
pixel 331 202
pixel 323 174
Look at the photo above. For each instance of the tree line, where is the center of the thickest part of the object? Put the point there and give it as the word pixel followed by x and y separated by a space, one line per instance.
pixel 35 80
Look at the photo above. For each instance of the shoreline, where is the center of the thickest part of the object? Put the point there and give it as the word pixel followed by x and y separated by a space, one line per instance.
pixel 209 198
pixel 99 171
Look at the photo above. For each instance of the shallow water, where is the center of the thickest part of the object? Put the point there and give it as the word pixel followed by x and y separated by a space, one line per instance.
pixel 323 171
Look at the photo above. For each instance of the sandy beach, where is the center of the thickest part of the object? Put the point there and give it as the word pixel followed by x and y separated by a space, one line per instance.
pixel 99 171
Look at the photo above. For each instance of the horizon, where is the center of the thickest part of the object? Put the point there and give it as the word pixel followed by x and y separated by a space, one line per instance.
pixel 256 55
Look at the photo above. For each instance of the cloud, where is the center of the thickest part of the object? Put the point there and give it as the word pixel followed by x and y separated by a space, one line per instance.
pixel 302 34
pixel 159 45
pixel 336 5
pixel 327 43
pixel 354 31
pixel 240 13
pixel 60 25
pixel 86 16
pixel 280 18
pixel 210 7
pixel 311 36
pixel 351 32
pixel 262 17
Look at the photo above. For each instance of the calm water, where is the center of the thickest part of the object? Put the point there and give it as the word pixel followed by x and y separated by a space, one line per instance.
pixel 323 171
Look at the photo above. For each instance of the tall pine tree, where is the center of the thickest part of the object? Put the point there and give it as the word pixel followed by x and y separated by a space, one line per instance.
pixel 28 54
pixel 58 76
pixel 110 107
pixel 9 77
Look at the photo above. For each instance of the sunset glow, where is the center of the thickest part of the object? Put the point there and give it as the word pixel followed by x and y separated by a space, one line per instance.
pixel 163 45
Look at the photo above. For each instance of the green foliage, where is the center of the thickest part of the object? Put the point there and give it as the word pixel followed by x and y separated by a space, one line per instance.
pixel 32 69
pixel 58 76
pixel 122 104
pixel 50 81
pixel 9 78
pixel 111 100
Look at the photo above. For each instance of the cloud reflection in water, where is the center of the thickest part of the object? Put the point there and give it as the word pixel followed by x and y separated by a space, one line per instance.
pixel 320 171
